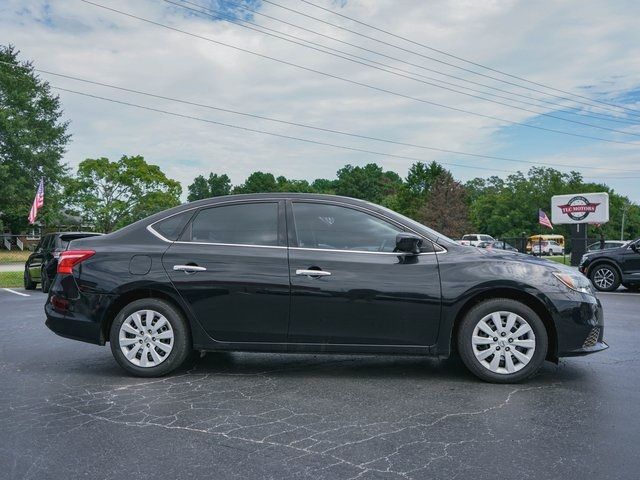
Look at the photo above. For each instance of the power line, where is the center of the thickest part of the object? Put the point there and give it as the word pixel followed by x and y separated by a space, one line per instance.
pixel 314 46
pixel 441 150
pixel 451 56
pixel 578 112
pixel 274 134
pixel 288 137
pixel 353 82
pixel 314 127
pixel 226 17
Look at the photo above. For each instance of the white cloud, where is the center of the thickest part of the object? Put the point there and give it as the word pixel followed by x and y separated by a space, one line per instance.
pixel 549 42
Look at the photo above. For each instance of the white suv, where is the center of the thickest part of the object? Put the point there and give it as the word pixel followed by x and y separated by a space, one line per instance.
pixel 475 238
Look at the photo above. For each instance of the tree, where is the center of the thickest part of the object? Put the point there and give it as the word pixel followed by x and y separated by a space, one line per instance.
pixel 370 183
pixel 214 186
pixel 258 182
pixel 446 210
pixel 33 138
pixel 113 194
pixel 414 192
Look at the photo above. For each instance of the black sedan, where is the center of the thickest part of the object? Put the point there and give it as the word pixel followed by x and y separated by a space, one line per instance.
pixel 41 265
pixel 315 273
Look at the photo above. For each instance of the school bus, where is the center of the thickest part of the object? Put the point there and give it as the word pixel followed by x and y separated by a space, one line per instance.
pixel 535 239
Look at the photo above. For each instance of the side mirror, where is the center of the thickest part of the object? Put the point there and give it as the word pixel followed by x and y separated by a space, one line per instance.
pixel 408 243
pixel 635 247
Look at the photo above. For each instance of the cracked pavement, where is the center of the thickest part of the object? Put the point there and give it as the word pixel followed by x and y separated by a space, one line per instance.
pixel 68 411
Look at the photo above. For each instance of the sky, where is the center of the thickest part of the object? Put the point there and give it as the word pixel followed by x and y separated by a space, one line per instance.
pixel 588 52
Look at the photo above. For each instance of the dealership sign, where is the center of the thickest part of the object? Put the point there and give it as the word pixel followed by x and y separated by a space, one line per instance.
pixel 580 208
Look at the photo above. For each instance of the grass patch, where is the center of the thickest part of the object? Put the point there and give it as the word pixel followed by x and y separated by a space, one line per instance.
pixel 11 279
pixel 566 260
pixel 10 256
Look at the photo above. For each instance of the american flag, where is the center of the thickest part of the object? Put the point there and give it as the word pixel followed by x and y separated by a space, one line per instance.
pixel 37 202
pixel 543 219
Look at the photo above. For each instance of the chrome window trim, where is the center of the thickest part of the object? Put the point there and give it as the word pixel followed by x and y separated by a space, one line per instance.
pixel 309 200
pixel 229 244
pixel 362 251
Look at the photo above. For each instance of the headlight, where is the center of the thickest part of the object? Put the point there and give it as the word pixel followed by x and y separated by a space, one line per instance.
pixel 575 281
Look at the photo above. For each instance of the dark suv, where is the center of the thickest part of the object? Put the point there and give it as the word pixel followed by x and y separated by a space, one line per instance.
pixel 42 263
pixel 609 268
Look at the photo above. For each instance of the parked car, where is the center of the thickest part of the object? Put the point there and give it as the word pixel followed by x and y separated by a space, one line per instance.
pixel 41 265
pixel 499 245
pixel 474 238
pixel 611 267
pixel 536 239
pixel 315 273
pixel 547 247
pixel 607 245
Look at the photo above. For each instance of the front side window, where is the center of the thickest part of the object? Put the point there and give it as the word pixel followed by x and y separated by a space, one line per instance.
pixel 340 228
pixel 240 224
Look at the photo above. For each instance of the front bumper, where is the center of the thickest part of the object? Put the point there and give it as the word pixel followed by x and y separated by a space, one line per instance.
pixel 579 321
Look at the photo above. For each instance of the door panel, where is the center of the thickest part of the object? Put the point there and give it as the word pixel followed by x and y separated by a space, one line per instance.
pixel 240 291
pixel 369 298
pixel 368 295
pixel 242 296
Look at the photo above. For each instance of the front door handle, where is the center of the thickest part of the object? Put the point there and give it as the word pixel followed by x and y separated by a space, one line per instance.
pixel 313 273
pixel 189 268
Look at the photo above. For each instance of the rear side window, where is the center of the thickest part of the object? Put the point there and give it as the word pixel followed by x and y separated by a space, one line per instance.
pixel 171 228
pixel 469 237
pixel 240 224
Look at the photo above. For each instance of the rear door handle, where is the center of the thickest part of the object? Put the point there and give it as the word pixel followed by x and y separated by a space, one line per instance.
pixel 313 273
pixel 189 268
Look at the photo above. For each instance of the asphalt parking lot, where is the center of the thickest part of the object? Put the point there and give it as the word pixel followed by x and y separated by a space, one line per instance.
pixel 67 411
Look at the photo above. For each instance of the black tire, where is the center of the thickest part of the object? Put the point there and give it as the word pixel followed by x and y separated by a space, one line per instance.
pixel 604 270
pixel 45 283
pixel 182 345
pixel 28 283
pixel 480 311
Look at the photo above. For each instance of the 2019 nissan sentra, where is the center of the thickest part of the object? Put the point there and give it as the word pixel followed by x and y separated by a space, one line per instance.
pixel 315 273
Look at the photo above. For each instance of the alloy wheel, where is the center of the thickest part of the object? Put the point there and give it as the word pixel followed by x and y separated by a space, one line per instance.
pixel 604 278
pixel 503 342
pixel 146 338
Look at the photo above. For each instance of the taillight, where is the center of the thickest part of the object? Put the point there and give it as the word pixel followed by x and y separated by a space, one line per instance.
pixel 71 258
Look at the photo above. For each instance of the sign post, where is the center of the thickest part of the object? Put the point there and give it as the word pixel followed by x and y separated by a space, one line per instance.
pixel 579 210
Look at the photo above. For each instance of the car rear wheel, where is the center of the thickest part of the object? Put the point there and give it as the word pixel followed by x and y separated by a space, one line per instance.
pixel 28 283
pixel 502 341
pixel 605 278
pixel 150 338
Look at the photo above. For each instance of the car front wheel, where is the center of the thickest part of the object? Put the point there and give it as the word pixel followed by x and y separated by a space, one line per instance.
pixel 150 338
pixel 605 278
pixel 502 341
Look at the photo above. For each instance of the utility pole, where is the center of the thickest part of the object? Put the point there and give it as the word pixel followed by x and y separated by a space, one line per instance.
pixel 624 214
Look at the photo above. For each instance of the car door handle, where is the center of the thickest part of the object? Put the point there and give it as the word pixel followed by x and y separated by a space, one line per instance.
pixel 189 268
pixel 313 273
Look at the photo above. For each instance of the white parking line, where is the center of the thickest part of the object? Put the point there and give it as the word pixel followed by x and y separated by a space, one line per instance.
pixel 17 293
